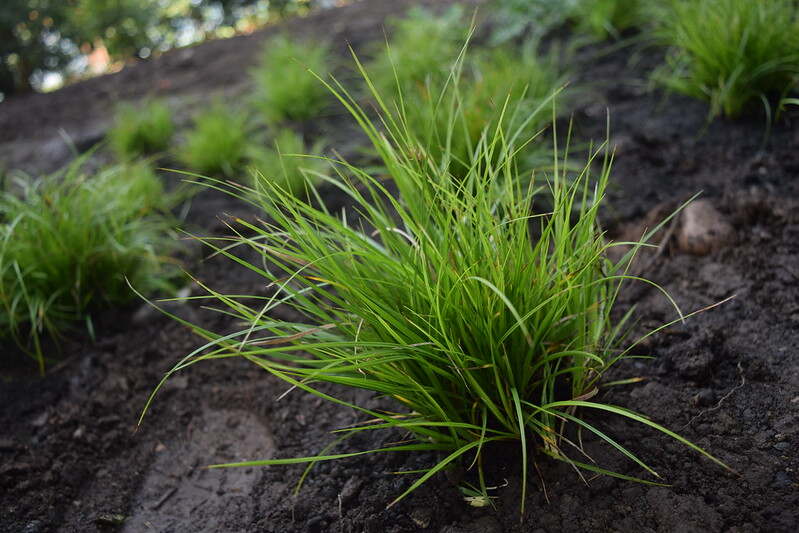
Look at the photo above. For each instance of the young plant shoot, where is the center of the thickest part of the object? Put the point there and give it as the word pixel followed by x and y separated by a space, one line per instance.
pixel 485 316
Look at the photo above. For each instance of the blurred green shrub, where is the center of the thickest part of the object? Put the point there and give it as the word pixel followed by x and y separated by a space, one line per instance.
pixel 421 45
pixel 218 141
pixel 69 241
pixel 598 18
pixel 141 129
pixel 284 87
pixel 285 166
pixel 729 52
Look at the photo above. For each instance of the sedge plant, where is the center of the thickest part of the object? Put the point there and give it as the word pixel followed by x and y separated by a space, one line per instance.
pixel 68 242
pixel 283 165
pixel 421 45
pixel 141 130
pixel 484 316
pixel 729 52
pixel 284 87
pixel 598 19
pixel 605 18
pixel 489 79
pixel 217 144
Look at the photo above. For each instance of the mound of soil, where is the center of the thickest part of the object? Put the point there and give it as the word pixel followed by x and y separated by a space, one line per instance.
pixel 72 458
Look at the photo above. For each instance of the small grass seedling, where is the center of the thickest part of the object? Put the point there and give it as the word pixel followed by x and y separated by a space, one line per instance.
pixel 729 52
pixel 217 144
pixel 284 166
pixel 69 241
pixel 598 18
pixel 605 18
pixel 140 130
pixel 284 87
pixel 485 316
pixel 420 45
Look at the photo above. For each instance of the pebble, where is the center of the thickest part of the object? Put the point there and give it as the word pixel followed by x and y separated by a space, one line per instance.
pixel 782 480
pixel 109 519
pixel 421 516
pixel 40 420
pixel 33 527
pixel 703 398
pixel 703 229
pixel 782 446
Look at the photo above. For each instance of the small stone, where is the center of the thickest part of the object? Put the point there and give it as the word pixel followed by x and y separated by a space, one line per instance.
pixel 421 516
pixel 108 420
pixel 703 229
pixel 109 519
pixel 782 446
pixel 33 527
pixel 350 490
pixel 703 398
pixel 79 432
pixel 316 523
pixel 782 480
pixel 40 420
pixel 177 383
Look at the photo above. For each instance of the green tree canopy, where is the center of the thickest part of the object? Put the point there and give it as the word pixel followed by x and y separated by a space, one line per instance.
pixel 37 36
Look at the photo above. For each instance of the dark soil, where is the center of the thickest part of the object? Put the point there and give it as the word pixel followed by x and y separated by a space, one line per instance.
pixel 71 458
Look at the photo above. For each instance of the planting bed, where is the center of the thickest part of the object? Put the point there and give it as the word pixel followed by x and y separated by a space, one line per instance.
pixel 71 458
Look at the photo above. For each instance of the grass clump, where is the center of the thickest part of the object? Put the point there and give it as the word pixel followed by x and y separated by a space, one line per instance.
pixel 729 52
pixel 421 45
pixel 598 18
pixel 485 316
pixel 606 18
pixel 498 88
pixel 284 87
pixel 141 130
pixel 68 243
pixel 218 142
pixel 283 166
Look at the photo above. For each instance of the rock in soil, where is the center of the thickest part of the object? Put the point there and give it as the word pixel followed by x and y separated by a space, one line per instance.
pixel 703 229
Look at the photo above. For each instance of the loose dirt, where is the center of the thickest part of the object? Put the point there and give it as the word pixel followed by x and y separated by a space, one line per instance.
pixel 72 458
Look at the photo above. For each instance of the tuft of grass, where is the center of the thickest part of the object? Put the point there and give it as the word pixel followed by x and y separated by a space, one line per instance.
pixel 69 241
pixel 598 18
pixel 498 87
pixel 605 18
pixel 218 142
pixel 483 314
pixel 729 52
pixel 141 130
pixel 285 167
pixel 284 87
pixel 421 45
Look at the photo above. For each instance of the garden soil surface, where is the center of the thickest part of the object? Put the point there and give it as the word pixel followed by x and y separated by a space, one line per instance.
pixel 72 457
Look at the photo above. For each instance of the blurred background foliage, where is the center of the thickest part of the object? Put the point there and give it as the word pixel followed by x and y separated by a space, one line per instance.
pixel 44 41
